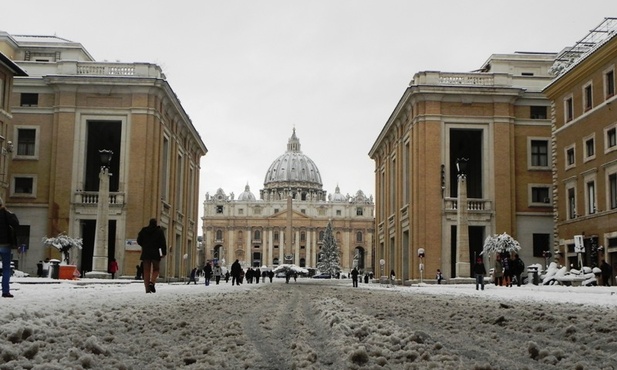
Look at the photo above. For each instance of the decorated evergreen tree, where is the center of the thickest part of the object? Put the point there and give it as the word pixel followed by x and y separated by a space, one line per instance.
pixel 329 258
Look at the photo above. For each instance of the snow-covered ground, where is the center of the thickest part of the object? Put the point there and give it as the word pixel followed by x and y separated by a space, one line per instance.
pixel 310 324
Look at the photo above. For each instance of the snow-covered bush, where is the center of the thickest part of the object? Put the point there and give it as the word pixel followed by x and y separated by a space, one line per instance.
pixel 64 244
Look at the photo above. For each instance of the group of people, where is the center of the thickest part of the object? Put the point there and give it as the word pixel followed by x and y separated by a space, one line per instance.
pixel 506 270
pixel 355 277
pixel 237 275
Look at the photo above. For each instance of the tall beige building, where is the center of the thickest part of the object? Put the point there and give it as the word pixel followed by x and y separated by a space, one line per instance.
pixel 8 70
pixel 584 117
pixel 498 119
pixel 68 109
pixel 286 223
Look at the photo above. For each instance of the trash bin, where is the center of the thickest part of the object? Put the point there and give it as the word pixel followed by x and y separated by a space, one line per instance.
pixel 54 269
pixel 532 275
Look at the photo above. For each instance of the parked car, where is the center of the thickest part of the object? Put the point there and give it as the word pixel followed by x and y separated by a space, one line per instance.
pixel 322 276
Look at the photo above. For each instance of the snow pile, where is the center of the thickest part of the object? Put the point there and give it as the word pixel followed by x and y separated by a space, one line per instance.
pixel 308 324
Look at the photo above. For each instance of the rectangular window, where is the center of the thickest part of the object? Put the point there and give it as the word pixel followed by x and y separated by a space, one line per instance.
pixel 165 169
pixel 26 142
pixel 3 104
pixel 609 83
pixel 591 197
pixel 611 137
pixel 541 243
pixel 392 193
pixel 338 212
pixel 569 109
pixel 537 112
pixel 612 190
pixel 539 153
pixel 219 209
pixel 359 211
pixel 571 204
pixel 570 157
pixel 240 211
pixel 29 100
pixel 587 97
pixel 23 186
pixel 590 148
pixel 540 195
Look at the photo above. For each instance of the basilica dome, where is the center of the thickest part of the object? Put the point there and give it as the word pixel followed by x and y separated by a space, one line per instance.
pixel 293 171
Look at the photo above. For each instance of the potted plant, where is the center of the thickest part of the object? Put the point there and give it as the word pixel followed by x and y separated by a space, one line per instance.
pixel 64 244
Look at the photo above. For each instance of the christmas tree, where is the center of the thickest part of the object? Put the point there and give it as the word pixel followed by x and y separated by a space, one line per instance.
pixel 329 258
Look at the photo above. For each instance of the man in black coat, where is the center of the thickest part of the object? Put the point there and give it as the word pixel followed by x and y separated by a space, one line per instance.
pixel 235 273
pixel 153 247
pixel 607 271
pixel 354 277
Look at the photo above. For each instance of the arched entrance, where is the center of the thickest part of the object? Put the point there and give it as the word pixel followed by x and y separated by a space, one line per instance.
pixel 359 258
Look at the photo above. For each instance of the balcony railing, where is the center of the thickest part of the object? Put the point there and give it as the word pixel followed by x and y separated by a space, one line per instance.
pixel 463 79
pixel 81 68
pixel 451 204
pixel 91 198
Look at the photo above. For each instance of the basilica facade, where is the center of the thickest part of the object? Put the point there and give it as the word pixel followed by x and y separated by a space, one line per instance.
pixel 286 223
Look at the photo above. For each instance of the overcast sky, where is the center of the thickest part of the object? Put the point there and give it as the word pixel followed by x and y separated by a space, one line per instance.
pixel 248 72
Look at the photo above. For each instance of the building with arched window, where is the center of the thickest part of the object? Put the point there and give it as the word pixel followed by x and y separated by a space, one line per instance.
pixel 286 223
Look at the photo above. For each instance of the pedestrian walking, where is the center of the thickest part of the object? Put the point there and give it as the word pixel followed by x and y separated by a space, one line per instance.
pixel 498 271
pixel 217 272
pixel 9 221
pixel 270 275
pixel 517 267
pixel 153 247
pixel 479 271
pixel 227 277
pixel 39 269
pixel 207 273
pixel 507 269
pixel 439 276
pixel 113 268
pixel 354 277
pixel 235 273
pixel 193 276
pixel 607 271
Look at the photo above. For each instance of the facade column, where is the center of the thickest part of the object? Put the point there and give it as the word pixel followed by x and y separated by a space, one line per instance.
pixel 99 256
pixel 270 244
pixel 309 250
pixel 282 242
pixel 297 249
pixel 462 229
pixel 247 251
pixel 230 246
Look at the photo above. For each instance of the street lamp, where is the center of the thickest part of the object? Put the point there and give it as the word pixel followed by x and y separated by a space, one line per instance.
pixel 99 254
pixel 462 225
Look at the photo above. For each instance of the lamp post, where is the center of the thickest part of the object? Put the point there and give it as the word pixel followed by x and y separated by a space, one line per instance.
pixel 462 226
pixel 99 255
